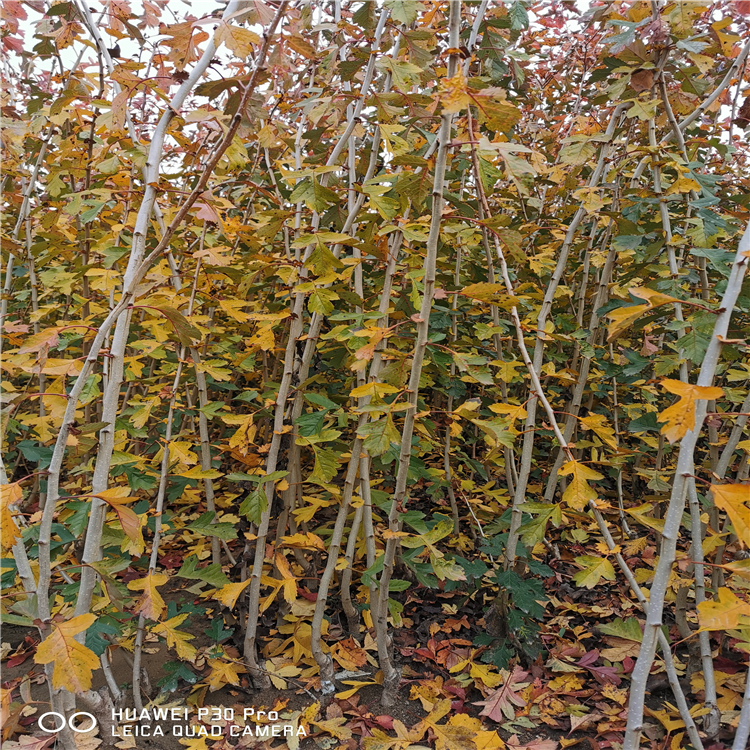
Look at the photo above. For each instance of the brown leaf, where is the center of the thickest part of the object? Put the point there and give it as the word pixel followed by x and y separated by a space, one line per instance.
pixel 642 80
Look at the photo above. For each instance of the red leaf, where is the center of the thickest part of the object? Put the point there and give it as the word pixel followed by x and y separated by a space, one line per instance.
pixel 385 721
pixel 14 661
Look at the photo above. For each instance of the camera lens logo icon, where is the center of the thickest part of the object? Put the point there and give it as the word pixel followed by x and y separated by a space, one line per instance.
pixel 60 723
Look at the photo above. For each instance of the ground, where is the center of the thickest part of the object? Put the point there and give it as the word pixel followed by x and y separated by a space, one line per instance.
pixel 573 695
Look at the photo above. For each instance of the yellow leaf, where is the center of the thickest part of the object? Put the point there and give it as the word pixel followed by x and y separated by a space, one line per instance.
pixel 74 663
pixel 680 417
pixel 180 450
pixel 622 318
pixel 507 370
pixel 578 492
pixel 668 723
pixel 336 727
pixel 116 495
pixel 233 309
pixel 488 741
pixel 683 185
pixel 55 405
pixel 215 369
pixel 726 614
pixel 136 545
pixel 229 594
pixel 243 438
pixel 372 389
pixel 150 603
pixel 513 411
pixel 303 541
pixel 289 583
pixel 197 473
pixel 651 296
pixel 450 736
pixel 175 638
pixel 143 412
pixel 10 495
pixel 467 408
pixel 598 424
pixel 734 500
pixel 223 673
pixel 486 675
pixel 486 292
pixel 37 342
pixel 191 744
pixel 277 670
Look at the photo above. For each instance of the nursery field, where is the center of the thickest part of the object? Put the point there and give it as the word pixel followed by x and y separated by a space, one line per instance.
pixel 375 375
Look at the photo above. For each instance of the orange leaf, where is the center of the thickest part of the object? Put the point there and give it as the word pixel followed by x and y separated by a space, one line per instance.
pixel 10 494
pixel 115 497
pixel 453 94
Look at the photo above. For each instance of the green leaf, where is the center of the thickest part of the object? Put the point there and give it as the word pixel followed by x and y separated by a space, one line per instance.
pixel 322 261
pixel 9 619
pixel 534 531
pixel 207 526
pixel 402 11
pixel 211 574
pixel 379 435
pixel 577 153
pixel 693 344
pixel 313 194
pixel 320 399
pixel 497 114
pixel 212 408
pixel 254 505
pixel 369 576
pixel 446 569
pixel 518 15
pixel 643 110
pixel 403 74
pixel 496 429
pixel 326 465
pixel 396 585
pixel 175 671
pixel 311 424
pixel 320 301
pixel 629 629
pixel 95 633
pixel 364 16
